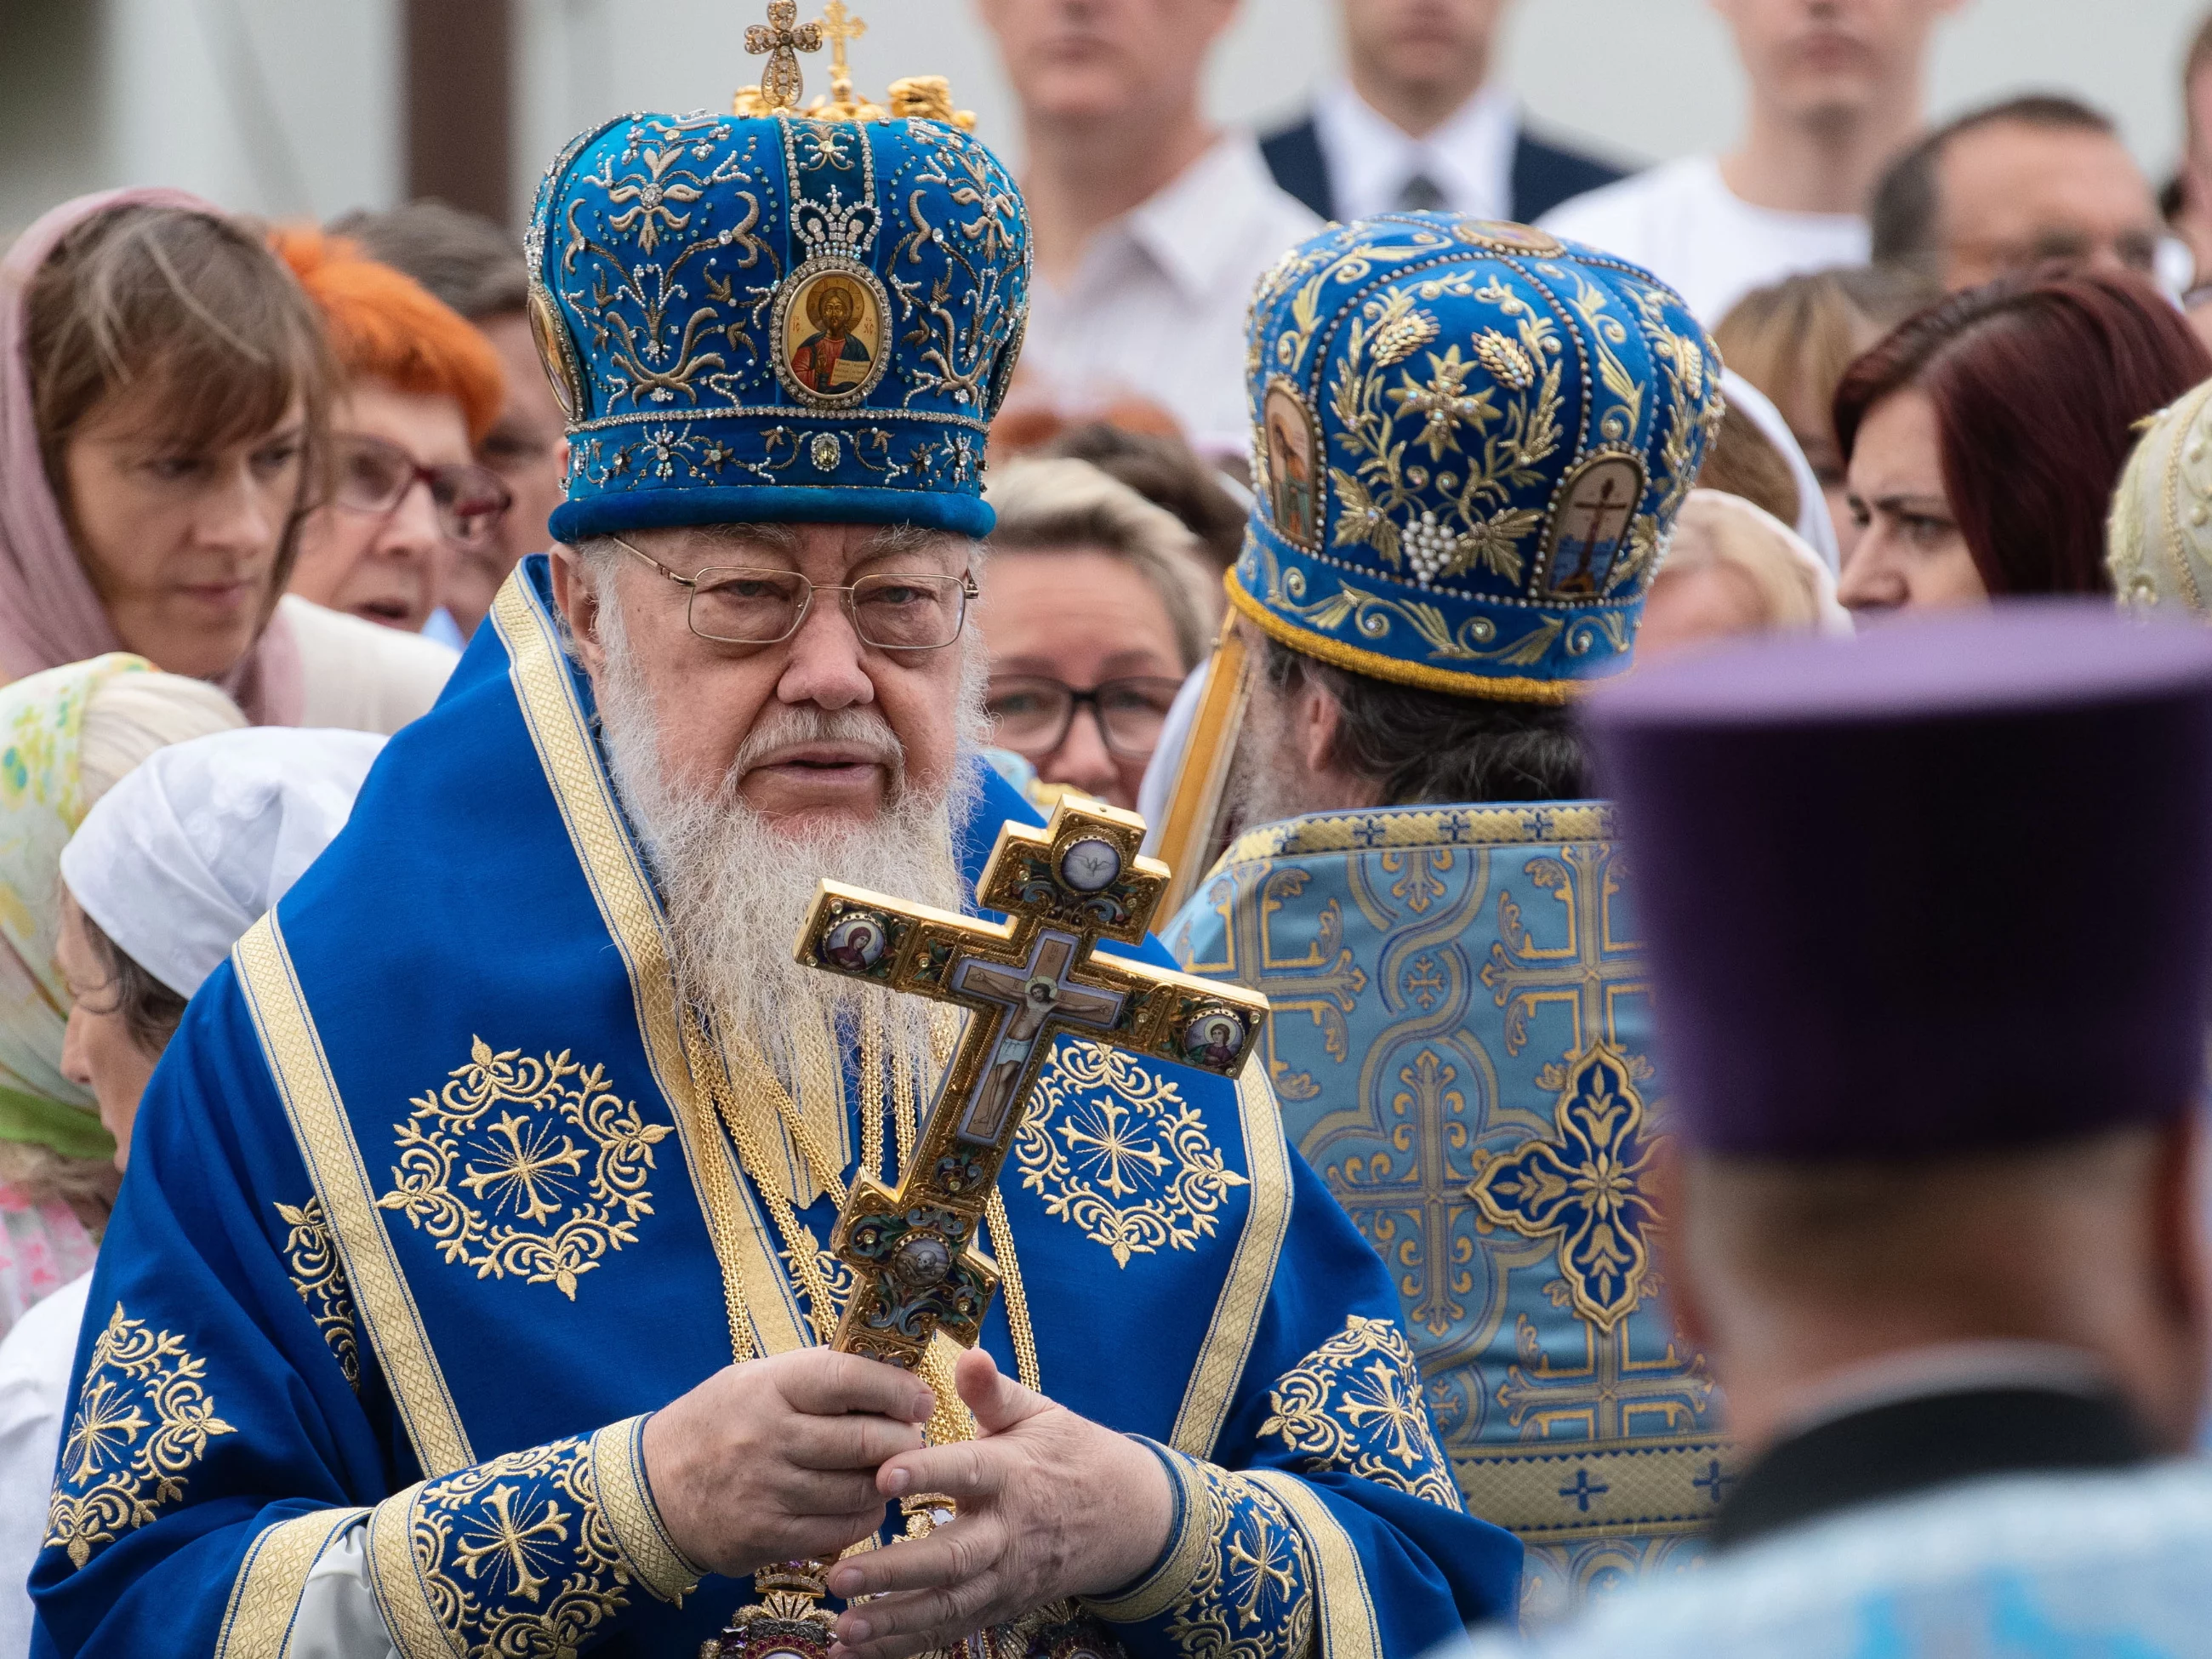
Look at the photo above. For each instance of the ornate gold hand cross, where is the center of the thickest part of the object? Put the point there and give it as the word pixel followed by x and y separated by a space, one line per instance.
pixel 780 40
pixel 1025 981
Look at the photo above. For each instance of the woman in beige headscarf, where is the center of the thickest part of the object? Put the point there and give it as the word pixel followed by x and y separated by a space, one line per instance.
pixel 2158 544
pixel 164 383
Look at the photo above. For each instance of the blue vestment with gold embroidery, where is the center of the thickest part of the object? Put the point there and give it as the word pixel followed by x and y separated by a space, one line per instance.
pixel 1461 1046
pixel 426 1213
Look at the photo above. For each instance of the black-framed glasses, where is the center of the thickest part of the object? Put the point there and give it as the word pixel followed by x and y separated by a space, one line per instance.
pixel 374 475
pixel 1031 714
pixel 891 611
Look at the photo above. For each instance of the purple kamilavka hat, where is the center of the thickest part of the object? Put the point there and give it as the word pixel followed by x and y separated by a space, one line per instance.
pixel 1946 888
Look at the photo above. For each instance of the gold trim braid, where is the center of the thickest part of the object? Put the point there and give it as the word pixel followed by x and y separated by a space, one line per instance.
pixel 1501 688
pixel 265 1597
pixel 1227 1345
pixel 769 1320
pixel 1347 1624
pixel 1386 827
pixel 293 1052
pixel 1634 1488
pixel 411 1617
pixel 626 1500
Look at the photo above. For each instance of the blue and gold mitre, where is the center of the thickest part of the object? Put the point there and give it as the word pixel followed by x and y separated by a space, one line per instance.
pixel 1470 442
pixel 779 316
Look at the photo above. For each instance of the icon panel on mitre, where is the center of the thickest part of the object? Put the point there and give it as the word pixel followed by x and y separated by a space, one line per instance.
pixel 1293 457
pixel 1591 550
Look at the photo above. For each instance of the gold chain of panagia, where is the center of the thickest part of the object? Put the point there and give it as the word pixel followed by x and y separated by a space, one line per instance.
pixel 758 1081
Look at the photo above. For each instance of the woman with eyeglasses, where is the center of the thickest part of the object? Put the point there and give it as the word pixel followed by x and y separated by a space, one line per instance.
pixel 164 398
pixel 1096 605
pixel 416 386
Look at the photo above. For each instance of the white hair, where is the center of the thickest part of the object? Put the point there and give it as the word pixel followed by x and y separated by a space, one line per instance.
pixel 737 885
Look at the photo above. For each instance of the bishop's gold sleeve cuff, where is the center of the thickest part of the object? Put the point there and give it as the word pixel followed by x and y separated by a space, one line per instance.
pixel 539 1551
pixel 1238 1575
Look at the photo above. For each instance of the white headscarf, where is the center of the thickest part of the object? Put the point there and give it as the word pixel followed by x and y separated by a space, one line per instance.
pixel 190 849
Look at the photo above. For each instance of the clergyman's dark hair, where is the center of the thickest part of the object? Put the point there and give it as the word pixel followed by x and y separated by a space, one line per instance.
pixel 151 1010
pixel 1421 747
pixel 1907 207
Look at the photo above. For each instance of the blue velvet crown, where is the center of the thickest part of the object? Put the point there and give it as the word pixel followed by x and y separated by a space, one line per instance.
pixel 1470 445
pixel 777 318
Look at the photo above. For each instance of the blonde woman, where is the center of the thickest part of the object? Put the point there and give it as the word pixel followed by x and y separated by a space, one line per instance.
pixel 1734 569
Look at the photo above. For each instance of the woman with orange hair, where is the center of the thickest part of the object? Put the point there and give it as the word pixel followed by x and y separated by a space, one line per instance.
pixel 418 387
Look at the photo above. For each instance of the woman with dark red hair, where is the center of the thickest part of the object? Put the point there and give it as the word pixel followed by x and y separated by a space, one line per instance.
pixel 1984 436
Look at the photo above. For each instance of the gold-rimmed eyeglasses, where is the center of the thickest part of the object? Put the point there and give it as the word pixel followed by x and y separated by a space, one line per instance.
pixel 891 611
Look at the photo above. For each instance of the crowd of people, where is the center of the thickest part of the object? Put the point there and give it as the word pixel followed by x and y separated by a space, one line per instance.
pixel 1726 1164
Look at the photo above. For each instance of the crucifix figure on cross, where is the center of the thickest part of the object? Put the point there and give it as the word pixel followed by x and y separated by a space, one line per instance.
pixel 1025 982
pixel 780 40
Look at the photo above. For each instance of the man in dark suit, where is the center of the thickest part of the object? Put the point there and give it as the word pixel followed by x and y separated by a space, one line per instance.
pixel 1418 124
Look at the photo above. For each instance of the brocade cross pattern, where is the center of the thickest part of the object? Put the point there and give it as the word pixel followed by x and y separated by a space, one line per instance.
pixel 1714 1481
pixel 1585 1188
pixel 1583 1490
pixel 1586 973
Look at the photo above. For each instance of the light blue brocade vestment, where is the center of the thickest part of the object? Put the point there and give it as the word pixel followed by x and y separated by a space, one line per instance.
pixel 1461 1046
pixel 426 1213
pixel 2026 1566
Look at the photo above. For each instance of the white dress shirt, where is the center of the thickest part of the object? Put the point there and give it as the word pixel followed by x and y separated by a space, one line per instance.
pixel 1682 223
pixel 1158 304
pixel 1371 160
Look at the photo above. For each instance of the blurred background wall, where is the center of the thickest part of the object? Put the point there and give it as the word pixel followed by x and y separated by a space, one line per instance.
pixel 298 106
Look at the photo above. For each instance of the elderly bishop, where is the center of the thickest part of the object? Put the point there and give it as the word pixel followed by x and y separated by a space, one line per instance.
pixel 471 1289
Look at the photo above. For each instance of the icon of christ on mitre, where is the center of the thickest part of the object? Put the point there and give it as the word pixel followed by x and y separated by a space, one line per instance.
pixel 478 1283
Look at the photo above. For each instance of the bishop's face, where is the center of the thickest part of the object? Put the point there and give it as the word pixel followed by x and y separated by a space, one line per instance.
pixel 709 699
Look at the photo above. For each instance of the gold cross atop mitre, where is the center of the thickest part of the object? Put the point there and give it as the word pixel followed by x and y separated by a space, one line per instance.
pixel 918 97
pixel 1024 982
pixel 780 39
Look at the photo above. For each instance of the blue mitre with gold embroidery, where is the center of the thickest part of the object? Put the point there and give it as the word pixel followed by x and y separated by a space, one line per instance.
pixel 1470 442
pixel 779 317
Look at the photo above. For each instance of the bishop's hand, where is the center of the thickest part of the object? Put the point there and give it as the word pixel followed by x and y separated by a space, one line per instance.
pixel 1051 1505
pixel 777 1460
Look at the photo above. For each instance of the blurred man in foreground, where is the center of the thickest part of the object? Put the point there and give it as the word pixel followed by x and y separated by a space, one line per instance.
pixel 2015 186
pixel 1836 88
pixel 1420 120
pixel 1151 225
pixel 1937 1074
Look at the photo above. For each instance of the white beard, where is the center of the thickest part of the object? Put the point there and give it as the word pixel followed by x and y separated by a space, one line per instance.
pixel 737 885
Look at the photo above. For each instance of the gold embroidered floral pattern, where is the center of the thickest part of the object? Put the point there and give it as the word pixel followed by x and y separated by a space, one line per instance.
pixel 1355 1404
pixel 1253 1595
pixel 319 1278
pixel 1495 449
pixel 144 1418
pixel 1114 1148
pixel 530 1167
pixel 516 1557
